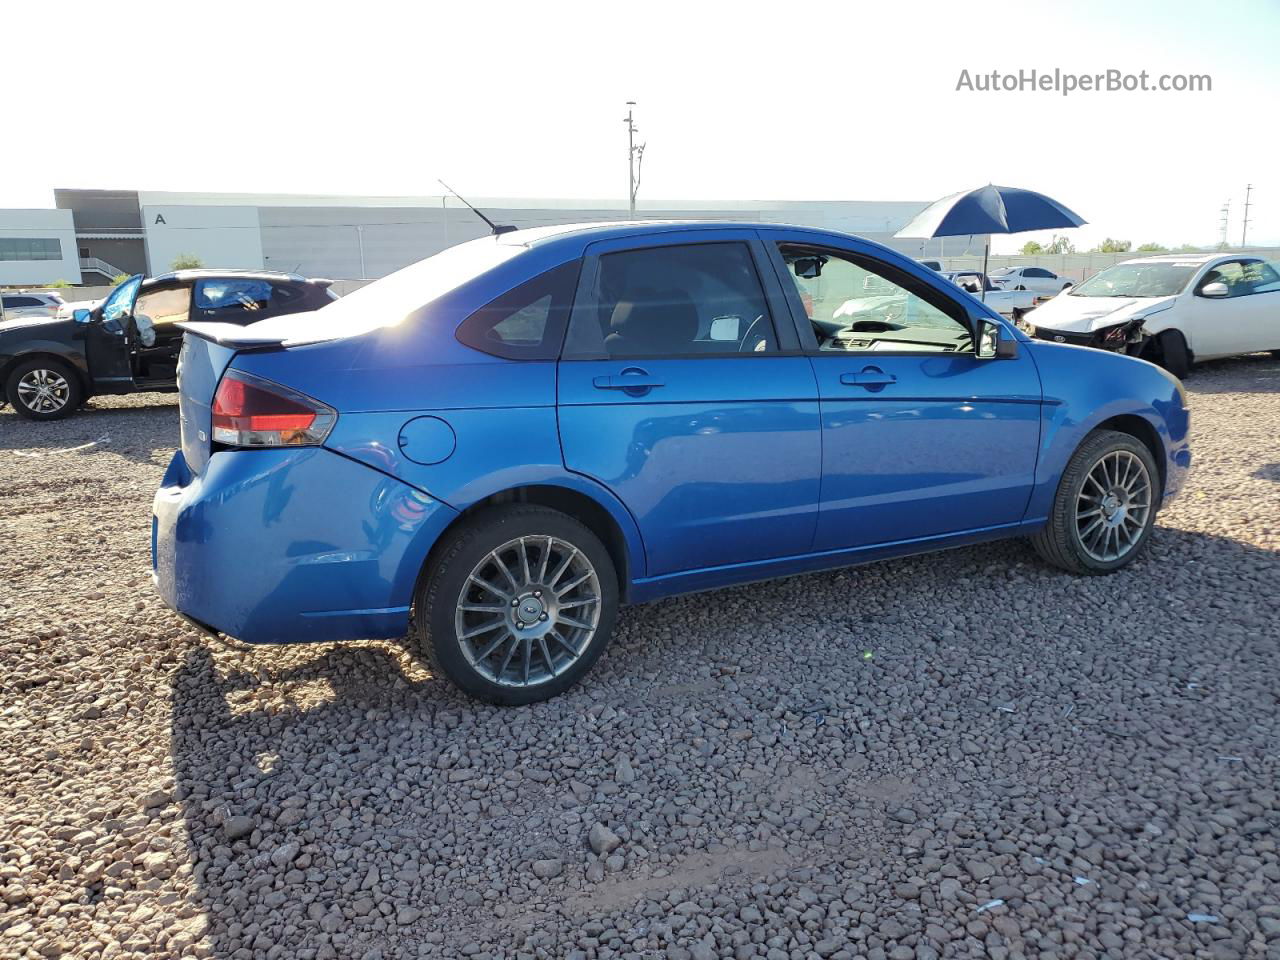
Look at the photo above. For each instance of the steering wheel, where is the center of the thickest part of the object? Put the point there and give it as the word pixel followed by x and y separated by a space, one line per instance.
pixel 746 336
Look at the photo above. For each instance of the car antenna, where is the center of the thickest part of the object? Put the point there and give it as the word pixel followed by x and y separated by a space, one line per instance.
pixel 497 228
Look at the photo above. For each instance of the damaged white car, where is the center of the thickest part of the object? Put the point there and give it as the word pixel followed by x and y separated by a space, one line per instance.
pixel 1172 310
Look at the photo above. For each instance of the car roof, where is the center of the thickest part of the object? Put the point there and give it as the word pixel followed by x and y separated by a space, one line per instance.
pixel 575 237
pixel 204 273
pixel 1183 258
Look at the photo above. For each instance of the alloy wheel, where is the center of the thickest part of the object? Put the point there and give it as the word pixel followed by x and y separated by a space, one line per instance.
pixel 44 391
pixel 1113 506
pixel 528 611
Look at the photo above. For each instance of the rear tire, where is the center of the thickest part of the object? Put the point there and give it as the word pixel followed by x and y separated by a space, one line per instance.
pixel 44 389
pixel 517 604
pixel 1105 506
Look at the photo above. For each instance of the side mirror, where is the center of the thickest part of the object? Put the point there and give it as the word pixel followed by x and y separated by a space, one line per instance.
pixel 81 315
pixel 992 345
pixel 1216 290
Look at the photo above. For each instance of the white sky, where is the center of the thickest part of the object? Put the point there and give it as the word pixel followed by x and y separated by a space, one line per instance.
pixel 736 100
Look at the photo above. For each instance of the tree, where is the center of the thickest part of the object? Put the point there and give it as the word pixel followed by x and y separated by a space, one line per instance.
pixel 59 284
pixel 1188 248
pixel 186 261
pixel 119 278
pixel 1153 248
pixel 1031 248
pixel 1112 246
pixel 1060 245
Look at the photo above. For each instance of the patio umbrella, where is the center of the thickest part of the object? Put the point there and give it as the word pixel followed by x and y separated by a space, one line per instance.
pixel 989 209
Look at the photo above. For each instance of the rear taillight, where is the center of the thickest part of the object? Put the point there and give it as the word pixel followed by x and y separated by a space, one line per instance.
pixel 249 411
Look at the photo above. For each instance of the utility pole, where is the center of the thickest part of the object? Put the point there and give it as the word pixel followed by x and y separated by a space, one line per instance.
pixel 635 157
pixel 1226 222
pixel 1244 227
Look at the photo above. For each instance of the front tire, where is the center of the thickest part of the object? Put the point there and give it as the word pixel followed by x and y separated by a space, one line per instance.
pixel 44 389
pixel 1171 347
pixel 517 604
pixel 1105 506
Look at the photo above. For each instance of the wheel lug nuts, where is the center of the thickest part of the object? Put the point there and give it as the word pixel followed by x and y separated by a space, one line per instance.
pixel 515 602
pixel 537 593
pixel 543 617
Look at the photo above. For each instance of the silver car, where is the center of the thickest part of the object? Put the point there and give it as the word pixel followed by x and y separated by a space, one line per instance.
pixel 22 306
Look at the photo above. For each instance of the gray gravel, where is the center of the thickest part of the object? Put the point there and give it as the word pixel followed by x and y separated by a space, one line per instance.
pixel 959 755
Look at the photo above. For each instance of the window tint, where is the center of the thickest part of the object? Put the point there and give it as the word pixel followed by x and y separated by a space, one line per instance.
pixel 675 301
pixel 14 302
pixel 526 323
pixel 30 248
pixel 282 294
pixel 1036 272
pixel 858 305
pixel 166 305
pixel 1264 277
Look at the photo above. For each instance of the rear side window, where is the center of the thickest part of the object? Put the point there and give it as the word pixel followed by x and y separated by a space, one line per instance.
pixel 234 295
pixel 677 301
pixel 15 302
pixel 527 322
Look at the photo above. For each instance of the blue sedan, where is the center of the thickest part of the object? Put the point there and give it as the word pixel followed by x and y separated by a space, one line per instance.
pixel 495 447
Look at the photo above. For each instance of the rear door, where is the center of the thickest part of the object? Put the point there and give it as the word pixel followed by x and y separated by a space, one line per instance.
pixel 921 437
pixel 680 392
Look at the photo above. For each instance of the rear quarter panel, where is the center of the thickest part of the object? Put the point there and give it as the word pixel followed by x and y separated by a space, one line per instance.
pixel 1083 388
pixel 502 412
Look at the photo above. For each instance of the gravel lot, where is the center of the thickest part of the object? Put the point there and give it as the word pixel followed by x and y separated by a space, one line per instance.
pixel 960 755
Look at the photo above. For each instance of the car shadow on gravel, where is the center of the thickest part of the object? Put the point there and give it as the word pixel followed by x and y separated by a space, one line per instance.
pixel 341 801
pixel 135 433
pixel 1255 373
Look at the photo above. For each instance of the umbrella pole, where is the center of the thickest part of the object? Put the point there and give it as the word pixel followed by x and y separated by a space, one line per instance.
pixel 985 251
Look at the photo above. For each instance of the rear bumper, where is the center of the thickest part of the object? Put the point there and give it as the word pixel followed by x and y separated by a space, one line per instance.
pixel 276 546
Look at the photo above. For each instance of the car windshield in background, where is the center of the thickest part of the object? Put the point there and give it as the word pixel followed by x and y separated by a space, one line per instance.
pixel 1138 280
pixel 388 301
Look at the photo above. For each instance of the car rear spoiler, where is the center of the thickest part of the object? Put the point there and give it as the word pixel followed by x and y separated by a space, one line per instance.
pixel 232 335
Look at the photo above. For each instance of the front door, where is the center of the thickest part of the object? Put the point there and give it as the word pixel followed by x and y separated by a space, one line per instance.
pixel 681 393
pixel 156 336
pixel 921 438
pixel 107 339
pixel 1223 326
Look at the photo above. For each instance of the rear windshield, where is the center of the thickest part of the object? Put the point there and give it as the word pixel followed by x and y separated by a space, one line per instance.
pixel 388 301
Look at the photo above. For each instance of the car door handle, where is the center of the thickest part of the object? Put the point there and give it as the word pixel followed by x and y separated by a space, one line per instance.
pixel 868 378
pixel 627 382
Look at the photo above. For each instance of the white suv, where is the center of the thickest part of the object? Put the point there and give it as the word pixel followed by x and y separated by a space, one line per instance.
pixel 23 306
pixel 1035 279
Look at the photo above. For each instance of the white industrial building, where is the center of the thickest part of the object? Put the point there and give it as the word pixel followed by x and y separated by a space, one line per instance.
pixel 37 247
pixel 105 232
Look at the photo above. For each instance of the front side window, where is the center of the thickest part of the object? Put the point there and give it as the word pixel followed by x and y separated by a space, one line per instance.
pixel 857 305
pixel 526 323
pixel 120 301
pixel 686 300
pixel 1236 274
pixel 13 303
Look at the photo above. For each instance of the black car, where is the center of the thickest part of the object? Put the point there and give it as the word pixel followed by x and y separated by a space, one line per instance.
pixel 130 342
